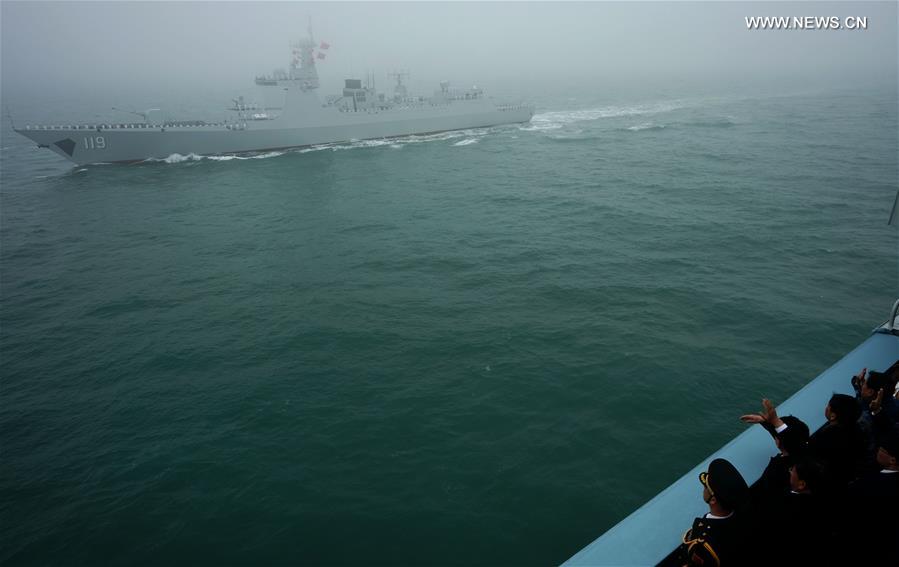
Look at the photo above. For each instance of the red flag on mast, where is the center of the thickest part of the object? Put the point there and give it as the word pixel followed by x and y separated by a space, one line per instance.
pixel 324 46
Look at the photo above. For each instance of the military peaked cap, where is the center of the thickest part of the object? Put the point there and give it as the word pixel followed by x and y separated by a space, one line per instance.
pixel 725 483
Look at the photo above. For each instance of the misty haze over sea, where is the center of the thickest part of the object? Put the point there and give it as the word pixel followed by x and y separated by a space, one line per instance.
pixel 476 347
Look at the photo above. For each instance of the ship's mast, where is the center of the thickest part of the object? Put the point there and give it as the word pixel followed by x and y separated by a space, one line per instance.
pixel 302 64
pixel 399 90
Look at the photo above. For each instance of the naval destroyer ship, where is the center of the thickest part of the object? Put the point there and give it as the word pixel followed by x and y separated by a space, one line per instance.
pixel 302 119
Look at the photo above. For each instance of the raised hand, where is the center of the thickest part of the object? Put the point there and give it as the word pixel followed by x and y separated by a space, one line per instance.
pixel 877 402
pixel 859 378
pixel 768 410
pixel 768 414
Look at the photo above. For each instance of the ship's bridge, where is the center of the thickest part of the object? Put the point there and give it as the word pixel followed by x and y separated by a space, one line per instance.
pixel 357 97
pixel 446 93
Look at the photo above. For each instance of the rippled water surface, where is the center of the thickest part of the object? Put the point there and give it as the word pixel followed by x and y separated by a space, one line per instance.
pixel 480 347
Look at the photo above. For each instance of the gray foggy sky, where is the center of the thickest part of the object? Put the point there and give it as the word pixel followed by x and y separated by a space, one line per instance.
pixel 82 47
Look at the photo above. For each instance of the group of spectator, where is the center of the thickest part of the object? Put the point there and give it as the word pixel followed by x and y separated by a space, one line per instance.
pixel 827 498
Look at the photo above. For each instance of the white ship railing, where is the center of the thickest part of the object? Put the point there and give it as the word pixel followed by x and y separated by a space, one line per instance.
pixel 890 325
pixel 123 126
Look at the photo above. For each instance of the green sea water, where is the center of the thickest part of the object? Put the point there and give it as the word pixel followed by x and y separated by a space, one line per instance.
pixel 473 348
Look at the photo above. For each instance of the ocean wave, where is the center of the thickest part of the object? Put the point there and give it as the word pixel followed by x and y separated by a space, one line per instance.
pixel 532 127
pixel 466 142
pixel 646 126
pixel 557 119
pixel 713 122
pixel 572 135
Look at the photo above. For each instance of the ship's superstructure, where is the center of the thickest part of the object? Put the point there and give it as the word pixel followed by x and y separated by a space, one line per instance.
pixel 299 118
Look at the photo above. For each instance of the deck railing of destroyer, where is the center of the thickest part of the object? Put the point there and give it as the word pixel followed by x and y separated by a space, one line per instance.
pixel 136 126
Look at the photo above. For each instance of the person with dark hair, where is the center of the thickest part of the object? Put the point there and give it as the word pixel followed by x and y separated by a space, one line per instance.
pixel 880 410
pixel 790 435
pixel 875 392
pixel 842 409
pixel 789 492
pixel 716 539
pixel 840 443
pixel 802 508
pixel 806 476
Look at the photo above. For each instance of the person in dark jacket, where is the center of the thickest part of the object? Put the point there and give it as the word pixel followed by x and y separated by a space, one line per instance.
pixel 792 441
pixel 773 496
pixel 804 509
pixel 790 435
pixel 716 539
pixel 840 443
pixel 880 410
pixel 874 391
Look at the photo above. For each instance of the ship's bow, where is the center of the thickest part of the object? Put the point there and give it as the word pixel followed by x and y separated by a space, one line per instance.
pixel 60 142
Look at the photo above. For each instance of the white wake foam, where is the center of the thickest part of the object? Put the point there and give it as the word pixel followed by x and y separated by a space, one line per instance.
pixel 179 158
pixel 470 136
pixel 558 119
pixel 398 142
pixel 257 156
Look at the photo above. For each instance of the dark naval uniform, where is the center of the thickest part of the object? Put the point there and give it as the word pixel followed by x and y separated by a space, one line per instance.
pixel 712 542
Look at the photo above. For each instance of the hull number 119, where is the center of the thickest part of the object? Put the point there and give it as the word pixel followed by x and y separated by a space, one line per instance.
pixel 95 143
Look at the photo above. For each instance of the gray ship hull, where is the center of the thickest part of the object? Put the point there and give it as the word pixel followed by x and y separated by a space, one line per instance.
pixel 307 124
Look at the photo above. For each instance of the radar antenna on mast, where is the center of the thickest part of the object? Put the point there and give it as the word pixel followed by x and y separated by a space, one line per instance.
pixel 399 90
pixel 302 65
